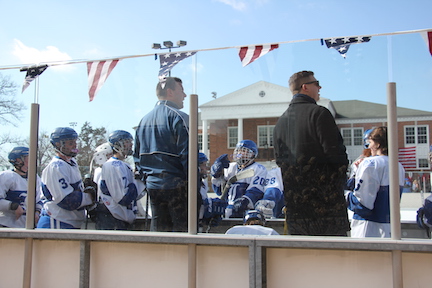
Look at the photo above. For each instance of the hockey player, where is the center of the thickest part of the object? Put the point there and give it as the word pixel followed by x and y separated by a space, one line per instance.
pixel 354 166
pixel 62 185
pixel 101 155
pixel 370 199
pixel 273 201
pixel 118 206
pixel 244 193
pixel 211 210
pixel 13 191
pixel 253 224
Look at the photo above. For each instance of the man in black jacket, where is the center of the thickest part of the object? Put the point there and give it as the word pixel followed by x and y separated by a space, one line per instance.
pixel 309 149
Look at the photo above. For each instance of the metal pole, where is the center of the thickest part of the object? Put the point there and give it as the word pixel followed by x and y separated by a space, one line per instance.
pixel 193 165
pixel 394 182
pixel 193 187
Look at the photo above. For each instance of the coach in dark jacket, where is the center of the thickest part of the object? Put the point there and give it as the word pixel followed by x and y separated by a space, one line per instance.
pixel 310 151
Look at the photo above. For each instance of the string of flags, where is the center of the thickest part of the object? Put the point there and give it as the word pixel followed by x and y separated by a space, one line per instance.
pixel 98 71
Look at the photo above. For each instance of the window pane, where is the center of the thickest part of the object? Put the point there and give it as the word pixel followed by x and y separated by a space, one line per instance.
pixel 423 163
pixel 232 137
pixel 358 137
pixel 346 134
pixel 200 140
pixel 262 136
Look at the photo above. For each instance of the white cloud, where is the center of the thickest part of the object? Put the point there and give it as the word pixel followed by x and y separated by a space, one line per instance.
pixel 236 4
pixel 242 5
pixel 29 55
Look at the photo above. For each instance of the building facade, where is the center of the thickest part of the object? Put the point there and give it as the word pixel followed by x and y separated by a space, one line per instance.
pixel 252 112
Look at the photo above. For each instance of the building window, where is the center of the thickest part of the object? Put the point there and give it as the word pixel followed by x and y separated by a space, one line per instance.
pixel 232 137
pixel 265 136
pixel 200 142
pixel 423 163
pixel 416 135
pixel 352 136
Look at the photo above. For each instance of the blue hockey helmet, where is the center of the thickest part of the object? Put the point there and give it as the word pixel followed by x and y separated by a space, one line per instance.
pixel 245 152
pixel 202 158
pixel 366 135
pixel 62 134
pixel 254 215
pixel 18 153
pixel 117 139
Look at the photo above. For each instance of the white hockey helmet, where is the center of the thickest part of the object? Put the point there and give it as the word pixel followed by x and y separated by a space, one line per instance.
pixel 102 153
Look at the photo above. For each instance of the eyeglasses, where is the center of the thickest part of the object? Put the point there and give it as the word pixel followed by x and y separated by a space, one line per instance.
pixel 311 82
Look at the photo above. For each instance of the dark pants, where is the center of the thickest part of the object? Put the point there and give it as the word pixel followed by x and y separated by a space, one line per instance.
pixel 105 220
pixel 169 209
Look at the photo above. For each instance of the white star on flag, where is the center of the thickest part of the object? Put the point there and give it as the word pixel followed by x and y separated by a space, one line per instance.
pixel 342 44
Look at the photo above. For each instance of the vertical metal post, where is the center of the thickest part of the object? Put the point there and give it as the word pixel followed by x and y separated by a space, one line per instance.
pixel 394 182
pixel 193 165
pixel 193 187
pixel 32 163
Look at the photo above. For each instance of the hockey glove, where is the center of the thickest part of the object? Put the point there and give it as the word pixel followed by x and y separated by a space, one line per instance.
pixel 90 187
pixel 266 207
pixel 218 206
pixel 218 166
pixel 240 205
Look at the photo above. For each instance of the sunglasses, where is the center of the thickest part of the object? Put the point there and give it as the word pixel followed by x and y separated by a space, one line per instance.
pixel 311 82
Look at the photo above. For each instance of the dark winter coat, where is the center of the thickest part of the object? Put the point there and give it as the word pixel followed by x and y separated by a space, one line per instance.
pixel 309 149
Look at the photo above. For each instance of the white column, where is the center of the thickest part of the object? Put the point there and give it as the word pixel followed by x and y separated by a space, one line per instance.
pixel 205 137
pixel 240 129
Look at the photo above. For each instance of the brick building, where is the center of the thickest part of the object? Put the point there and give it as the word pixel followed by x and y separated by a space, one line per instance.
pixel 252 112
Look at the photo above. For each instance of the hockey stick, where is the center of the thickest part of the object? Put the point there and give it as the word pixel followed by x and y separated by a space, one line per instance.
pixel 239 176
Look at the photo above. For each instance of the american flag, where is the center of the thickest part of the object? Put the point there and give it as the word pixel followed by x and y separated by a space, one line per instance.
pixel 407 157
pixel 427 36
pixel 98 72
pixel 342 44
pixel 169 60
pixel 248 54
pixel 32 73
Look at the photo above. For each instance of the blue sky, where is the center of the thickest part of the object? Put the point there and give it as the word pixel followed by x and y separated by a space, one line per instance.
pixel 39 31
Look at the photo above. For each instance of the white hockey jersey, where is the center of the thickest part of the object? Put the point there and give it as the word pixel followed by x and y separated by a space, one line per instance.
pixel 13 188
pixel 62 186
pixel 251 230
pixel 118 189
pixel 370 200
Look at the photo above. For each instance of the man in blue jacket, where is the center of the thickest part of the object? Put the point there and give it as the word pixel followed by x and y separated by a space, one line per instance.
pixel 161 153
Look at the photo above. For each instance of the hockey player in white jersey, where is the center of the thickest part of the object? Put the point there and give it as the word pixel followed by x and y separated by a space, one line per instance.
pixel 118 206
pixel 244 193
pixel 253 224
pixel 370 199
pixel 273 200
pixel 13 191
pixel 62 185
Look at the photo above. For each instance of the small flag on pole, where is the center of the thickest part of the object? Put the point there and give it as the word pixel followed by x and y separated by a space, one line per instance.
pixel 248 54
pixel 427 36
pixel 169 60
pixel 98 72
pixel 407 157
pixel 32 73
pixel 342 44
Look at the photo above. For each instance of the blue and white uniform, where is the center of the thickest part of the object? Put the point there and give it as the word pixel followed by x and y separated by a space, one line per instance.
pixel 251 230
pixel 370 199
pixel 251 188
pixel 118 190
pixel 13 189
pixel 273 194
pixel 63 189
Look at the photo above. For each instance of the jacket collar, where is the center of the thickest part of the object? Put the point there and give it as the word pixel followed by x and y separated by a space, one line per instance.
pixel 167 103
pixel 304 97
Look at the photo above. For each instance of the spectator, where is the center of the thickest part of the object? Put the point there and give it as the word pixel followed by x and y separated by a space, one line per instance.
pixel 13 191
pixel 161 153
pixel 310 152
pixel 370 199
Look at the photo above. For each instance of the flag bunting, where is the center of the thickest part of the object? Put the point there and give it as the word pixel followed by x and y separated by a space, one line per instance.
pixel 248 54
pixel 342 44
pixel 32 73
pixel 407 157
pixel 98 72
pixel 427 36
pixel 169 60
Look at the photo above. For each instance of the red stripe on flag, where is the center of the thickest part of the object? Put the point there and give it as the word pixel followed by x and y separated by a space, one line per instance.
pixel 242 52
pixel 257 53
pixel 98 72
pixel 248 54
pixel 429 39
pixel 407 157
